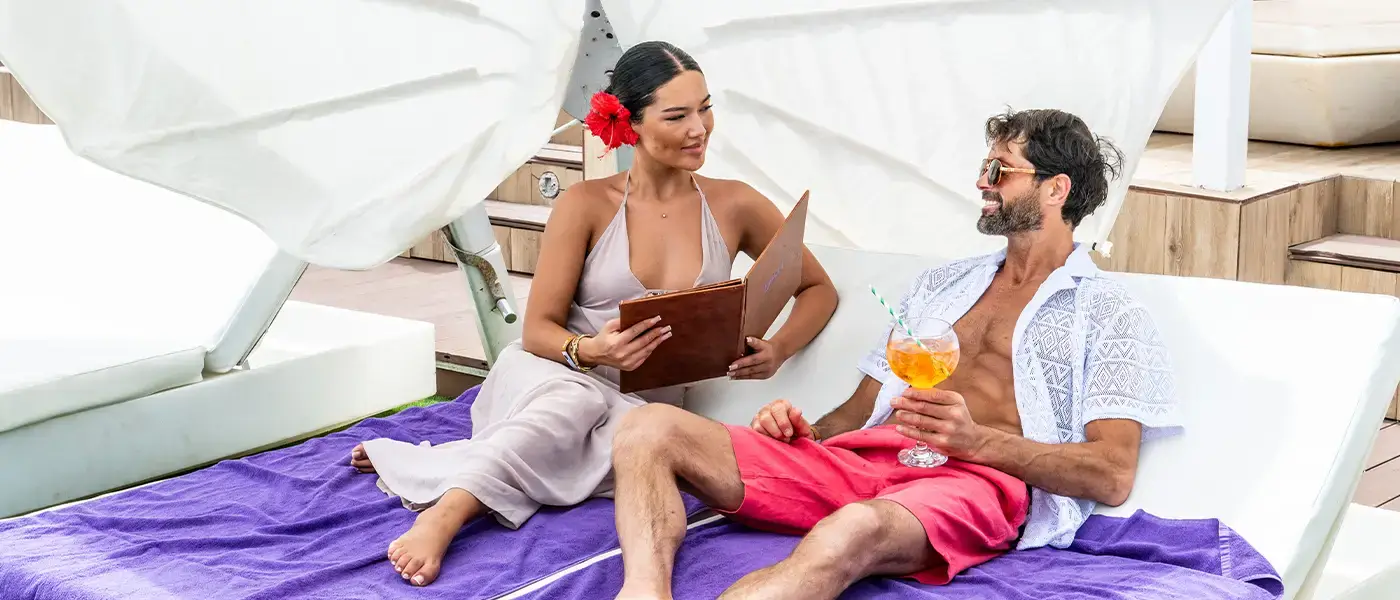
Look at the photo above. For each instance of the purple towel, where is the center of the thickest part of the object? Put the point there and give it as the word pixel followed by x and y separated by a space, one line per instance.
pixel 1141 557
pixel 292 523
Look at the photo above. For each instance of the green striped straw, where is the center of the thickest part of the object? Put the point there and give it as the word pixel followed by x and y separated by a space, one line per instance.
pixel 897 319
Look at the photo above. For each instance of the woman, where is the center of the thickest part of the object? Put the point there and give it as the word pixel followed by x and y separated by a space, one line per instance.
pixel 544 418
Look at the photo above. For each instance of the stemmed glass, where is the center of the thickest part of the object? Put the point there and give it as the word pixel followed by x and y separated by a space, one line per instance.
pixel 922 364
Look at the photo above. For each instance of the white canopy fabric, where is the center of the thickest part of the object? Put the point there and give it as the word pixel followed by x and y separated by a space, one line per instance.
pixel 878 106
pixel 90 255
pixel 347 130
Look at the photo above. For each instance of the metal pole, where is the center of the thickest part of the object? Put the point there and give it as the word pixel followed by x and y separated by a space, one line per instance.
pixel 479 257
pixel 1220 142
pixel 255 313
pixel 565 127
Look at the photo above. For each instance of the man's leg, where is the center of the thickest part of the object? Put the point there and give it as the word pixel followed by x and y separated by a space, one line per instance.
pixel 655 445
pixel 875 537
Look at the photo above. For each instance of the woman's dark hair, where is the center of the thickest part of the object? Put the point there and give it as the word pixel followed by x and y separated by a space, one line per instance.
pixel 644 68
pixel 1059 142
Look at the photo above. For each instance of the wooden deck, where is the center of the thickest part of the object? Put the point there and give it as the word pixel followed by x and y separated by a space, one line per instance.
pixel 1166 166
pixel 1380 486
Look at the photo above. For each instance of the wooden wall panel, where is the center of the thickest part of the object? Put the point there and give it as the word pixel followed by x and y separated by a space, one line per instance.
pixel 1264 233
pixel 1367 281
pixel 1316 211
pixel 1139 235
pixel 1268 226
pixel 503 237
pixel 433 247
pixel 6 112
pixel 571 137
pixel 1314 275
pixel 1202 237
pixel 519 248
pixel 15 104
pixel 1164 234
pixel 1367 207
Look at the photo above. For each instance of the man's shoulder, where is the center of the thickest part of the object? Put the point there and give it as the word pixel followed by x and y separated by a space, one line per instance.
pixel 950 269
pixel 1106 296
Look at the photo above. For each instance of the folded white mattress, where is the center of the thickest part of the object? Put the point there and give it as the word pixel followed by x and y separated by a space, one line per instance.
pixel 46 378
pixel 1282 390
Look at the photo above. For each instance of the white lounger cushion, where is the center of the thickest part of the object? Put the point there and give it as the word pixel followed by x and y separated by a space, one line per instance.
pixel 317 367
pixel 46 378
pixel 1320 28
pixel 1282 388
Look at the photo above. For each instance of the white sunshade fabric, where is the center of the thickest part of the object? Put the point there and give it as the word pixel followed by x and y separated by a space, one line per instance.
pixel 346 130
pixel 90 255
pixel 878 106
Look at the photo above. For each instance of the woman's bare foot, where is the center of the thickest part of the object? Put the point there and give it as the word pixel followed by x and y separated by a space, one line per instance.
pixel 360 459
pixel 417 555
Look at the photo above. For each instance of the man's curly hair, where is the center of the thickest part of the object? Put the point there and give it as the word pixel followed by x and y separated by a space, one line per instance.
pixel 1058 142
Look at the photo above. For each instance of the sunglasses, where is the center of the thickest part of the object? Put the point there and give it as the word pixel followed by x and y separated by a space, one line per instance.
pixel 993 169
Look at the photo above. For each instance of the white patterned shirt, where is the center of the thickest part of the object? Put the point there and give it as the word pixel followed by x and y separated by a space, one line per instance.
pixel 1083 349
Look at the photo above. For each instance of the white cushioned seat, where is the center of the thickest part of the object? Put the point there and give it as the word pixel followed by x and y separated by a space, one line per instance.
pixel 1323 73
pixel 47 378
pixel 1324 28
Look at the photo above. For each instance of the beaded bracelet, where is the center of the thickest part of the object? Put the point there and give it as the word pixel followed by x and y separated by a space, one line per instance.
pixel 571 354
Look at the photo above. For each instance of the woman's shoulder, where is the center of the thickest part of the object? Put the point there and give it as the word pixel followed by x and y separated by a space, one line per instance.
pixel 731 192
pixel 590 196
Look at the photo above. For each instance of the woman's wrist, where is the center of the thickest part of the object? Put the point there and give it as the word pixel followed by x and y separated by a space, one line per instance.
pixel 586 356
pixel 780 349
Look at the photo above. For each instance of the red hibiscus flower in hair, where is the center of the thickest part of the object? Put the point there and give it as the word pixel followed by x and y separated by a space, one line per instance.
pixel 610 121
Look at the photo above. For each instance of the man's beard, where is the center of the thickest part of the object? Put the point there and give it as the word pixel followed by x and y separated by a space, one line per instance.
pixel 1022 214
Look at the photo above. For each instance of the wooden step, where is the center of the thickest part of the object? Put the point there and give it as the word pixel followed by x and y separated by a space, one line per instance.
pixel 528 217
pixel 560 154
pixel 1348 250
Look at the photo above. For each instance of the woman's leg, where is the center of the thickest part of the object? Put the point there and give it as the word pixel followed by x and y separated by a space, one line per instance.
pixel 417 555
pixel 547 444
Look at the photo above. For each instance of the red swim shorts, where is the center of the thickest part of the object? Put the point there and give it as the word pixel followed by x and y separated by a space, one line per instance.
pixel 971 513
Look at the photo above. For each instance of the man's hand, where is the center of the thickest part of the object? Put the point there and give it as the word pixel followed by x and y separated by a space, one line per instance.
pixel 940 419
pixel 782 421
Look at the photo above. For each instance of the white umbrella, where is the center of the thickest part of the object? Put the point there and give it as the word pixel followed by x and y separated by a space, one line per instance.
pixel 877 106
pixel 346 130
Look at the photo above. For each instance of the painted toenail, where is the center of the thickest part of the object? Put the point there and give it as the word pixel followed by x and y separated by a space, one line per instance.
pixel 418 579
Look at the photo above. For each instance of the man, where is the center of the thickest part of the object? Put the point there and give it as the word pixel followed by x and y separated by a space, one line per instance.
pixel 1061 377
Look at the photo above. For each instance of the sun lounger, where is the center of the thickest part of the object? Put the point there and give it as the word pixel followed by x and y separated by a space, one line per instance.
pixel 112 293
pixel 1283 388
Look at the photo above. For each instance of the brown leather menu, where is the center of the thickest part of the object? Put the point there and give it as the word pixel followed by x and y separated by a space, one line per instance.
pixel 709 323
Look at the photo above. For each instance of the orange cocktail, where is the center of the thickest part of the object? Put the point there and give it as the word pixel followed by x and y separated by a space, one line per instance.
pixel 923 360
pixel 918 368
